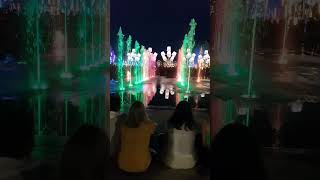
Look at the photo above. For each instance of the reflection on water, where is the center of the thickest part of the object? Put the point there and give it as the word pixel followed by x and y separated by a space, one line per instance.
pixel 66 105
pixel 61 117
pixel 160 93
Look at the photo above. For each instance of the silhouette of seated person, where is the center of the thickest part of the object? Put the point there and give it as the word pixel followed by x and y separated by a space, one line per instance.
pixel 116 119
pixel 236 154
pixel 16 138
pixel 85 155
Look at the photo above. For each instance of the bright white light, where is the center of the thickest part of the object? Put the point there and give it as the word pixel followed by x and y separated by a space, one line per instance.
pixel 204 60
pixel 242 110
pixel 296 106
pixel 155 55
pixel 168 57
pixel 166 96
pixel 203 95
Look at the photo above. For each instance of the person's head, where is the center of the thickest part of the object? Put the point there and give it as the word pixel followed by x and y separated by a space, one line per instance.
pixel 137 114
pixel 236 153
pixel 115 102
pixel 182 117
pixel 16 128
pixel 85 155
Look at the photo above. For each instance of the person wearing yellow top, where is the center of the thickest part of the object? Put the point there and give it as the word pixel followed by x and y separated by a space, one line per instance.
pixel 134 155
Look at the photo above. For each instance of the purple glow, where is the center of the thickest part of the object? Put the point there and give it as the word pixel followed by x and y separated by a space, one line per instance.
pixel 112 57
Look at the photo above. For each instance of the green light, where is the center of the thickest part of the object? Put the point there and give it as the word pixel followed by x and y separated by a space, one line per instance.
pixel 92 39
pixel 129 42
pixel 39 113
pixel 136 67
pixel 66 68
pixel 120 59
pixel 66 116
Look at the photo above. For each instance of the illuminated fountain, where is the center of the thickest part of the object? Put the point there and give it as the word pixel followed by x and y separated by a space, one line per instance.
pixel 188 43
pixel 229 17
pixel 61 94
pixel 149 60
pixel 66 73
pixel 203 62
pixel 140 67
pixel 112 57
pixel 133 60
pixel 179 66
pixel 189 58
pixel 294 11
pixel 32 14
pixel 120 61
pixel 83 38
pixel 134 65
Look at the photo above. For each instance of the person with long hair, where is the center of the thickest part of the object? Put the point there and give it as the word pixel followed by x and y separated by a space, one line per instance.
pixel 134 154
pixel 236 154
pixel 16 137
pixel 179 152
pixel 85 155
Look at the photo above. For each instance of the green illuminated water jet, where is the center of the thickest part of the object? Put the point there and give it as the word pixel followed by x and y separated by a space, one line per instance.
pixel 92 38
pixel 136 66
pixel 66 74
pixel 140 64
pixel 190 44
pixel 120 59
pixel 33 47
pixel 83 36
pixel 100 31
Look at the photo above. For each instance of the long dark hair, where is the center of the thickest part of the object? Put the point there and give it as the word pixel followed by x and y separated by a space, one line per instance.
pixel 236 153
pixel 16 127
pixel 85 155
pixel 182 116
pixel 137 114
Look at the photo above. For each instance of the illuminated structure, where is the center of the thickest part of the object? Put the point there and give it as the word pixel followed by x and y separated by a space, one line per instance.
pixel 203 63
pixel 168 58
pixel 189 59
pixel 120 61
pixel 149 64
pixel 188 43
pixel 112 57
pixel 133 60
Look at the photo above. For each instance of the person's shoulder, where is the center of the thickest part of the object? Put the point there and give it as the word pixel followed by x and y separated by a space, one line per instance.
pixel 149 124
pixel 122 116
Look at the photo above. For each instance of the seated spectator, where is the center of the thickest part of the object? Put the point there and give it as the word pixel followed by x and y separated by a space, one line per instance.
pixel 135 133
pixel 236 154
pixel 203 147
pixel 16 137
pixel 85 155
pixel 179 151
pixel 114 126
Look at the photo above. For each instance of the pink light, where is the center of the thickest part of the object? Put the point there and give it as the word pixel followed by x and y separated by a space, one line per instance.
pixel 179 63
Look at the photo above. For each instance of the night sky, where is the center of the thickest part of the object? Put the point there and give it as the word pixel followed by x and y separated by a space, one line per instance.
pixel 158 23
